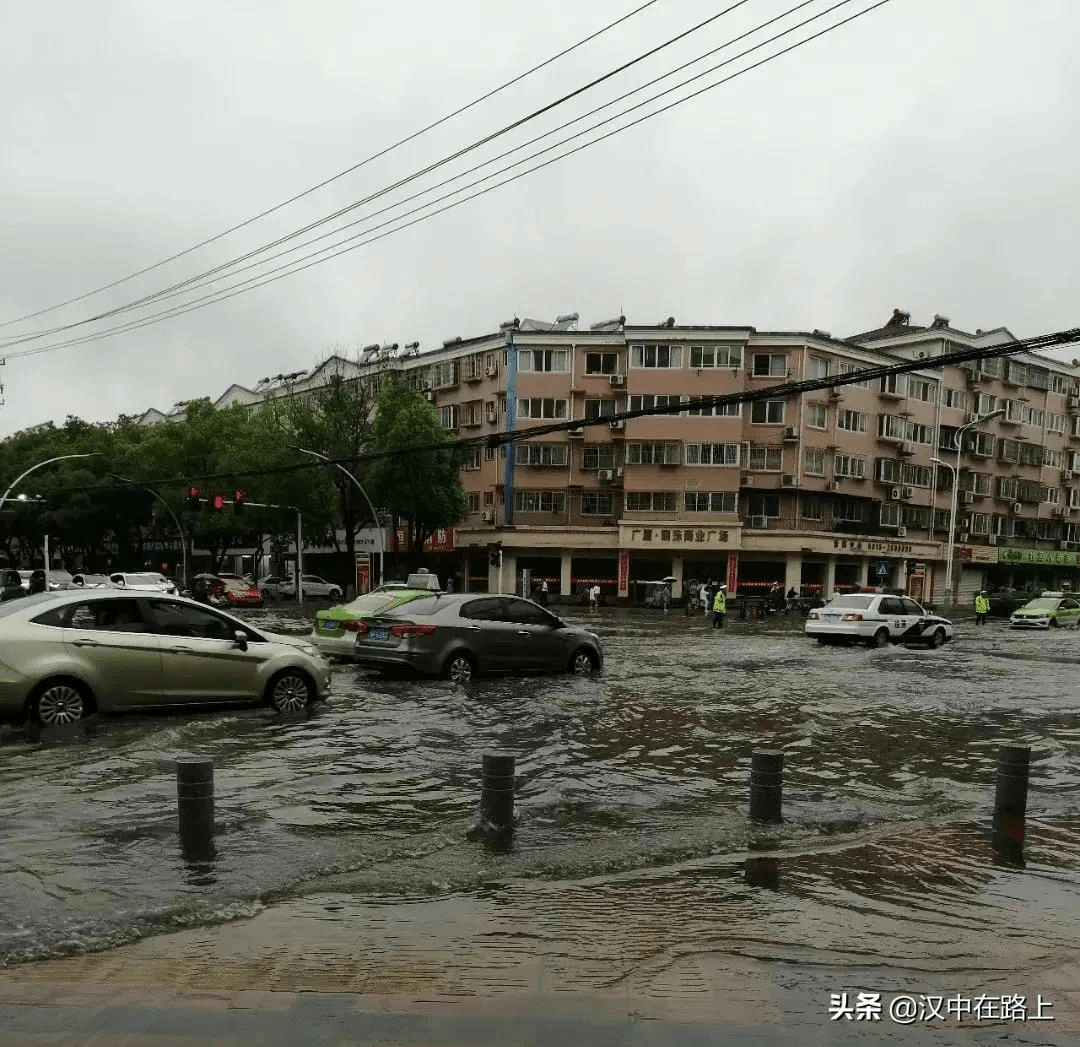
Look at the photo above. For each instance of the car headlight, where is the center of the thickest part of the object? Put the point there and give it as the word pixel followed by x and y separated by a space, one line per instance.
pixel 593 635
pixel 309 650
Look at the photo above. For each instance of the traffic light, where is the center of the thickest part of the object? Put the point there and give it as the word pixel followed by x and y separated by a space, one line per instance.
pixel 217 503
pixel 193 499
pixel 238 502
pixel 495 559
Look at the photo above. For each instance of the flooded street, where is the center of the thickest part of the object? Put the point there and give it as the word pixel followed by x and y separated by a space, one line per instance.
pixel 634 844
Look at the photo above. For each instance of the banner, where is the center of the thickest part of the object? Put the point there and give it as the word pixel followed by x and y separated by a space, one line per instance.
pixel 442 541
pixel 1053 557
pixel 732 573
pixel 624 574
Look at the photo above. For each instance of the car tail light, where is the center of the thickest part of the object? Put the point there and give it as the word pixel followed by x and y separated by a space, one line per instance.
pixel 403 632
pixel 813 616
pixel 851 618
pixel 352 626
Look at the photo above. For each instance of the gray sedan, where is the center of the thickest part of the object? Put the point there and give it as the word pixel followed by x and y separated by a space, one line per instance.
pixel 459 634
pixel 65 655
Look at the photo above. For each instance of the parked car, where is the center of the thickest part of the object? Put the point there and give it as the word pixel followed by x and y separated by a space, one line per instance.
pixel 241 593
pixel 144 581
pixel 877 619
pixel 11 586
pixel 314 588
pixel 270 586
pixel 90 581
pixel 72 653
pixel 1047 612
pixel 34 580
pixel 336 628
pixel 209 589
pixel 458 635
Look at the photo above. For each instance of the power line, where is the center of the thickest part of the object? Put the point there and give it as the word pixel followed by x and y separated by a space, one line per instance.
pixel 341 174
pixel 785 390
pixel 294 267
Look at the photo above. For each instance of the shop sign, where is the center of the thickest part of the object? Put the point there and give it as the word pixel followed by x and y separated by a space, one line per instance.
pixel 862 545
pixel 624 572
pixel 442 541
pixel 732 573
pixel 679 535
pixel 368 538
pixel 1052 557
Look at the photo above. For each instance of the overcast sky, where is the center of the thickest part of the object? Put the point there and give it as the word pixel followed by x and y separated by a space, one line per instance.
pixel 919 157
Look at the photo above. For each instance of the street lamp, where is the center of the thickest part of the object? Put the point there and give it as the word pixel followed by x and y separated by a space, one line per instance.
pixel 958 443
pixel 359 487
pixel 168 508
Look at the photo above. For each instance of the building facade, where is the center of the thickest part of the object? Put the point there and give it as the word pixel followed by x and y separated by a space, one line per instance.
pixel 825 491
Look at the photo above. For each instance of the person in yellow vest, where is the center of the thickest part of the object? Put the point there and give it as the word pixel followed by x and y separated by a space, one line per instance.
pixel 982 608
pixel 719 607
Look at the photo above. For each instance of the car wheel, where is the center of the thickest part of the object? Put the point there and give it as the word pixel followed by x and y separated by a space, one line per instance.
pixel 880 638
pixel 334 594
pixel 1053 623
pixel 460 668
pixel 290 691
pixel 937 637
pixel 583 662
pixel 60 702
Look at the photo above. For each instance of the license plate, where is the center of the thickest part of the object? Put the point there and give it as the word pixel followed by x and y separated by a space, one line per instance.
pixel 380 634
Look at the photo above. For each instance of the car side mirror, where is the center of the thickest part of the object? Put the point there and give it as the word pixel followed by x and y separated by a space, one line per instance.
pixel 240 639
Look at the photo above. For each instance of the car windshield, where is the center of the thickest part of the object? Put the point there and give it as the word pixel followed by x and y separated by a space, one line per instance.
pixel 860 602
pixel 143 579
pixel 236 583
pixel 372 603
pixel 1042 604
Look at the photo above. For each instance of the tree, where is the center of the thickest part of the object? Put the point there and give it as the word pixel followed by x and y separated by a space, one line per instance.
pixel 422 488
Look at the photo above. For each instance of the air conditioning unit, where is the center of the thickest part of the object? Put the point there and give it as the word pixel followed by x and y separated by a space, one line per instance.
pixel 605 475
pixel 617 379
pixel 992 539
pixel 834 486
pixel 1073 403
pixel 908 492
pixel 895 494
pixel 746 479
pixel 791 433
pixel 901 532
pixel 576 430
pixel 759 523
pixel 974 378
pixel 907 448
pixel 1057 511
pixel 492 370
pixel 1017 507
pixel 617 424
pixel 969 497
pixel 618 472
pixel 429 396
pixel 488 516
pixel 789 480
pixel 1066 474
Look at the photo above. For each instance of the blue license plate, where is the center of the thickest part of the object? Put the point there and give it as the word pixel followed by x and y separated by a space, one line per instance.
pixel 380 634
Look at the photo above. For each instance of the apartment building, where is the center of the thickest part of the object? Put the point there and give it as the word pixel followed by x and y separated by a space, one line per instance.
pixel 824 491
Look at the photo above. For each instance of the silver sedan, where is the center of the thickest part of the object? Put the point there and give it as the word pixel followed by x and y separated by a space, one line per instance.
pixel 457 635
pixel 65 655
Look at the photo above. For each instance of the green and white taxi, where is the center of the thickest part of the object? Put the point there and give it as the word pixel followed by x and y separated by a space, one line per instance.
pixel 338 628
pixel 1048 611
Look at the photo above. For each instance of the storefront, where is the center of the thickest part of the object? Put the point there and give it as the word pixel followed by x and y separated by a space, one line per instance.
pixel 1019 568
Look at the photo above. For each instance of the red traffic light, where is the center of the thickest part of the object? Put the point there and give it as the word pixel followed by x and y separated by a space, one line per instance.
pixel 217 503
pixel 193 498
pixel 238 501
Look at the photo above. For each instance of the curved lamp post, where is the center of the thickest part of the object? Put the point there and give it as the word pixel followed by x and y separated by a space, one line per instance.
pixel 359 487
pixel 168 509
pixel 958 443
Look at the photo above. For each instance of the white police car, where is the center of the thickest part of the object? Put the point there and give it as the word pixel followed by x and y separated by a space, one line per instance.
pixel 877 619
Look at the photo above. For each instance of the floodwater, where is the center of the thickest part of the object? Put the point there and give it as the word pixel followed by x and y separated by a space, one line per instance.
pixel 632 796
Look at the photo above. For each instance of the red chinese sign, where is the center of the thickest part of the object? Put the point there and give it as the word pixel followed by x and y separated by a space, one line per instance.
pixel 732 573
pixel 624 572
pixel 442 541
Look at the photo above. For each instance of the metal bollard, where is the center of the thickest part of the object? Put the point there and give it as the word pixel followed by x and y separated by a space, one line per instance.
pixel 1010 797
pixel 195 802
pixel 766 785
pixel 497 790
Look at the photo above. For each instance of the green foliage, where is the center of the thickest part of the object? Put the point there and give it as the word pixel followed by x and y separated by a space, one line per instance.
pixel 422 489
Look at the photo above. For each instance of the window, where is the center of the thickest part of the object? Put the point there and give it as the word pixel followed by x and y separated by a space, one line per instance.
pixel 892 427
pixel 656 356
pixel 474 366
pixel 489 609
pixel 600 408
pixel 474 502
pixel 981 444
pixel 817 367
pixel 175 619
pixel 597 456
pixel 765 459
pixel 472 458
pixel 1055 423
pixel 852 421
pixel 445 374
pixel 651 501
pixel 921 389
pixel 1034 417
pixel 847 368
pixel 489 454
pixel 712 454
pixel 601 363
pixel 1006 526
pixel 1051 495
pixel 474 412
pixel 889 514
pixel 647 401
pixel 711 501
pixel 715 356
pixel 448 416
pixel 525 612
pixel 596 503
pixel 767 412
pixel 770 365
pixel 489 498
pixel 1059 383
pixel 542 454
pixel 1052 458
pixel 1018 451
pixel 889 470
pixel 956 398
pixel 980 483
pixel 917 475
pixel 114 616
pixel 850 466
pixel 716 411
pixel 984 403
pixel 539 501
pixel 920 434
pixel 817 416
pixel 654 453
pixel 893 384
pixel 763 505
pixel 851 512
pixel 541 407
pixel 544 360
pixel 814 461
pixel 812 508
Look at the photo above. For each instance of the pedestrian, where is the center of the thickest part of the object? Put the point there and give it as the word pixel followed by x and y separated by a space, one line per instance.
pixel 691 599
pixel 544 593
pixel 982 608
pixel 719 607
pixel 594 596
pixel 704 595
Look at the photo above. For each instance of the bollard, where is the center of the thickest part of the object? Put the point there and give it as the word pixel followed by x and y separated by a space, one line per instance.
pixel 497 790
pixel 1010 797
pixel 744 610
pixel 195 802
pixel 766 785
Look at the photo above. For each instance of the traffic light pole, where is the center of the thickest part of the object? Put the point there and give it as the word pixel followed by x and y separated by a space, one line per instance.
pixel 299 540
